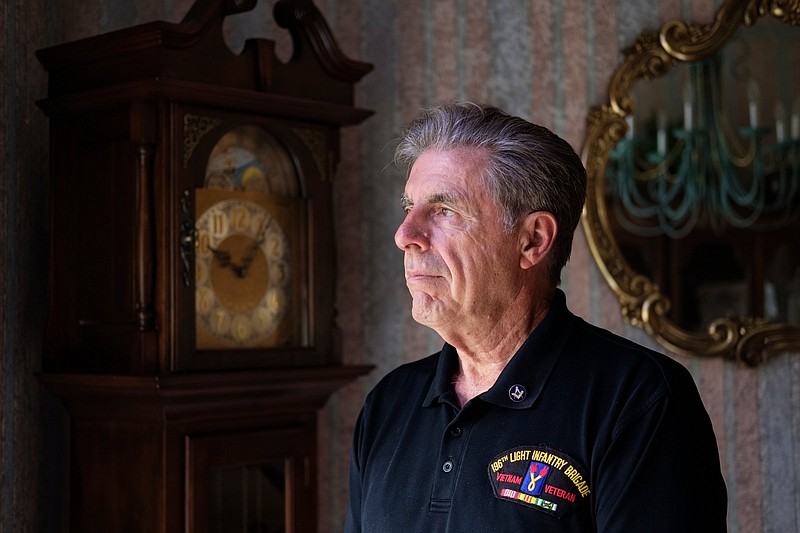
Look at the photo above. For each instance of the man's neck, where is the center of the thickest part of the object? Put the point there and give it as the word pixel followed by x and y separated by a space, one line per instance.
pixel 482 359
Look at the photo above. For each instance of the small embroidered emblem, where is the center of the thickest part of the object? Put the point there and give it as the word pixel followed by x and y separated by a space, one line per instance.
pixel 535 478
pixel 517 393
pixel 539 477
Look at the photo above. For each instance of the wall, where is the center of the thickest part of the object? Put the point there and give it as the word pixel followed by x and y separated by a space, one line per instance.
pixel 547 60
pixel 23 219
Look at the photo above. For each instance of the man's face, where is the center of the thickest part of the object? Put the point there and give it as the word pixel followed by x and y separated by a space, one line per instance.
pixel 462 267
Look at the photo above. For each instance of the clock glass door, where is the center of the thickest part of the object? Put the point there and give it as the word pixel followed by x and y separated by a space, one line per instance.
pixel 249 266
pixel 247 498
pixel 251 481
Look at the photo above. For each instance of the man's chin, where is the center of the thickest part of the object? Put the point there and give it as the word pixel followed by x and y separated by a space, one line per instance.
pixel 426 313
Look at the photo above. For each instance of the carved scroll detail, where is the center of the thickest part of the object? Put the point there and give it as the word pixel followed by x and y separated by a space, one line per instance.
pixel 194 127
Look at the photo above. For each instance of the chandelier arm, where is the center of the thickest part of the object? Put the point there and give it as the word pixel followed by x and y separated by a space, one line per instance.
pixel 675 229
pixel 726 173
pixel 721 129
pixel 731 214
pixel 635 228
pixel 638 205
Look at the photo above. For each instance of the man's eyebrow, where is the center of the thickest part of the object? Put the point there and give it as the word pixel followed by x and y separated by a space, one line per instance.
pixel 435 198
pixel 442 198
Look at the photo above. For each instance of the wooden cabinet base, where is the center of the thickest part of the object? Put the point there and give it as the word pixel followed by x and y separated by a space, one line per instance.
pixel 195 453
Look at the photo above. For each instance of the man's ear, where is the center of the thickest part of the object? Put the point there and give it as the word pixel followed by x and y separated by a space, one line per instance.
pixel 537 234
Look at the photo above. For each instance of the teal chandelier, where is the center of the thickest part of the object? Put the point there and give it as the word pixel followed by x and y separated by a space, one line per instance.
pixel 705 172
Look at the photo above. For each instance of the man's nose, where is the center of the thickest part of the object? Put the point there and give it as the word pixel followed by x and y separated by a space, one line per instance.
pixel 412 233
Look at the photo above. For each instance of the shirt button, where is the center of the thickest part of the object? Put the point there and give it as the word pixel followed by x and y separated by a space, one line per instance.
pixel 456 431
pixel 447 466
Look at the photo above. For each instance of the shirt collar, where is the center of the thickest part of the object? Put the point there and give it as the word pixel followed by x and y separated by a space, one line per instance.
pixel 525 375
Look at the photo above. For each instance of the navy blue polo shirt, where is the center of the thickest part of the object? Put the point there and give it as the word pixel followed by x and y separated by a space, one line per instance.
pixel 583 431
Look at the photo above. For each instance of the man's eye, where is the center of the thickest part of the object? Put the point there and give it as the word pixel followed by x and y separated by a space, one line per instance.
pixel 446 211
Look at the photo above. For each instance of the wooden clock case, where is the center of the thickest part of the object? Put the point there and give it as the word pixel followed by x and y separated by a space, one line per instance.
pixel 156 423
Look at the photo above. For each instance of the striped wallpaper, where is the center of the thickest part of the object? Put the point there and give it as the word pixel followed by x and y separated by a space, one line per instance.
pixel 546 60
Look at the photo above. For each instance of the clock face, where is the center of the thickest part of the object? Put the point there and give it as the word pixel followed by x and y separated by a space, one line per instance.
pixel 250 250
pixel 243 275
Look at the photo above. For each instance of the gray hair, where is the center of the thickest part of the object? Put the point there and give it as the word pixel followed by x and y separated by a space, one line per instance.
pixel 529 168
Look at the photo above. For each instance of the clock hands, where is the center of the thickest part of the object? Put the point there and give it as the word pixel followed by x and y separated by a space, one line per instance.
pixel 249 257
pixel 240 270
pixel 223 257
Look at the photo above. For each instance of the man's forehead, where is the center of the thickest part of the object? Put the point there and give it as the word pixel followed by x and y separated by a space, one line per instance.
pixel 445 176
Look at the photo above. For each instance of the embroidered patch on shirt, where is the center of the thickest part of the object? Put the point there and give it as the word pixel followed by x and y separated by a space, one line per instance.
pixel 539 477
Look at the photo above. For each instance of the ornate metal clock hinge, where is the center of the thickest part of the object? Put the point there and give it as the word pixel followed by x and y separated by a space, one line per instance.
pixel 187 237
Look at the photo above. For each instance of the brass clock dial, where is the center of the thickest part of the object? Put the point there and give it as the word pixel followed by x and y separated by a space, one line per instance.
pixel 243 273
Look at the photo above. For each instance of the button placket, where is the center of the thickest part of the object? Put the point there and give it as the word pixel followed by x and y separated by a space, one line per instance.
pixel 454 442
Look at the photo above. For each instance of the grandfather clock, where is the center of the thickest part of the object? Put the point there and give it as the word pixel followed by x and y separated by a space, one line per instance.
pixel 191 329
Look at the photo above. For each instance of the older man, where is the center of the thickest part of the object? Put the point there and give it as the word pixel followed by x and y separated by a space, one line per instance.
pixel 528 419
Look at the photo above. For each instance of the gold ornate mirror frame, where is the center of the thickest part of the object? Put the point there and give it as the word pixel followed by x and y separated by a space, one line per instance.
pixel 750 340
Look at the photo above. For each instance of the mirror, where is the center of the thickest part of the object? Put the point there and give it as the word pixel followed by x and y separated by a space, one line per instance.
pixel 693 167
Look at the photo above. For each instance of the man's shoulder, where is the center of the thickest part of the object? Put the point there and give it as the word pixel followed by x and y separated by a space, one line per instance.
pixel 606 352
pixel 625 380
pixel 590 350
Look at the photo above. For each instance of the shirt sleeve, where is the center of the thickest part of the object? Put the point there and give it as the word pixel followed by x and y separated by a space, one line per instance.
pixel 661 472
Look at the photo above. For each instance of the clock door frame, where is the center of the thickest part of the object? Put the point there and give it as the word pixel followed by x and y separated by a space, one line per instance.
pixel 310 147
pixel 288 446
